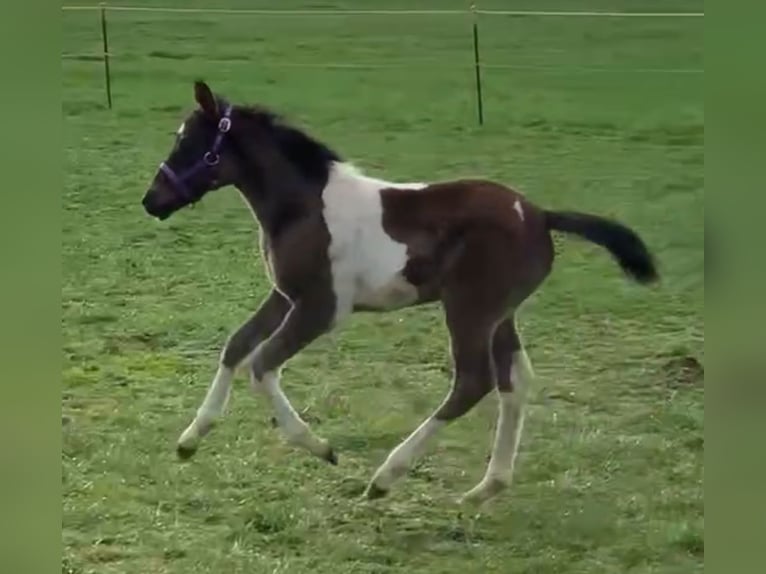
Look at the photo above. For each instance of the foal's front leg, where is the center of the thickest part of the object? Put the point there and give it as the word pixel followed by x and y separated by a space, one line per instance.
pixel 239 346
pixel 311 316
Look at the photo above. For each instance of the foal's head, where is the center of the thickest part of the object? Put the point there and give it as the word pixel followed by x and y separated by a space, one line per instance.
pixel 246 146
pixel 202 159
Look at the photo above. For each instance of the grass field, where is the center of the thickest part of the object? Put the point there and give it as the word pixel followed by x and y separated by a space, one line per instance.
pixel 610 471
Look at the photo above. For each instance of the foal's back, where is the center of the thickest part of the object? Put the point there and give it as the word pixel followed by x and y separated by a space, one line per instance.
pixel 457 203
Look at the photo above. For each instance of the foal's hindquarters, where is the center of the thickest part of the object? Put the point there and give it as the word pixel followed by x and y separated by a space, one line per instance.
pixel 495 270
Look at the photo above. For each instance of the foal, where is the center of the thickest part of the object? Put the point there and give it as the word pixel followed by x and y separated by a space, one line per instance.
pixel 336 241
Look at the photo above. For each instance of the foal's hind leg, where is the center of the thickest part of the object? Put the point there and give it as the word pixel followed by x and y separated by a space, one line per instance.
pixel 241 344
pixel 514 374
pixel 504 343
pixel 470 327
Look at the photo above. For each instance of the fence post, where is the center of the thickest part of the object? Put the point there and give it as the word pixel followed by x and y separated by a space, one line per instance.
pixel 105 39
pixel 477 64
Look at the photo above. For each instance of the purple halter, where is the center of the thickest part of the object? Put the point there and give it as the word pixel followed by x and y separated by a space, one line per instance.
pixel 210 159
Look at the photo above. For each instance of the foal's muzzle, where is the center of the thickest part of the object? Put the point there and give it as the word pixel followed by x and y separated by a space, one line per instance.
pixel 160 202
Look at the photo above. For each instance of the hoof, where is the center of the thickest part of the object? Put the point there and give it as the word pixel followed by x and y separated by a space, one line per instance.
pixel 484 491
pixel 331 457
pixel 374 492
pixel 185 452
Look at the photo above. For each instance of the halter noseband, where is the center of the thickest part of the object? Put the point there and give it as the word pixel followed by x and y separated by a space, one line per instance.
pixel 210 159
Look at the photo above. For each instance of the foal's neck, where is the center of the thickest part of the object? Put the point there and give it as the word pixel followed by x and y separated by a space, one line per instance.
pixel 279 196
pixel 285 175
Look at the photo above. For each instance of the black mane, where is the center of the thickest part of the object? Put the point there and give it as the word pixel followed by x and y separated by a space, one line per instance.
pixel 310 157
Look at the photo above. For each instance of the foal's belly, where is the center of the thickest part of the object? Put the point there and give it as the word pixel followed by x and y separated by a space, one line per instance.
pixel 394 293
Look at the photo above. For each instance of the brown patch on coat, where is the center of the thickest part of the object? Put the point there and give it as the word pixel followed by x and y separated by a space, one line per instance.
pixel 470 248
pixel 433 222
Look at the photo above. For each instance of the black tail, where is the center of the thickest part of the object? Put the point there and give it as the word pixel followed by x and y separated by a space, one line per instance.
pixel 627 248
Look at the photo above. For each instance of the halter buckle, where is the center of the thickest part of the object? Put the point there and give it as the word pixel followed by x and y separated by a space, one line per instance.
pixel 211 158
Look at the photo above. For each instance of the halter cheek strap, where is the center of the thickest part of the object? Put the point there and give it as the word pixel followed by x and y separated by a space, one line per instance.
pixel 210 159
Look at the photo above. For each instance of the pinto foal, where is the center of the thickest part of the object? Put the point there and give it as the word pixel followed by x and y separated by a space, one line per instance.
pixel 336 241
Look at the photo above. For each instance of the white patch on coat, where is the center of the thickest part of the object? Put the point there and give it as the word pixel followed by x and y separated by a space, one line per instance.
pixel 519 210
pixel 366 262
pixel 181 129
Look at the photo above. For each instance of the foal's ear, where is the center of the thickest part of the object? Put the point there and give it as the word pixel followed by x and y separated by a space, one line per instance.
pixel 205 99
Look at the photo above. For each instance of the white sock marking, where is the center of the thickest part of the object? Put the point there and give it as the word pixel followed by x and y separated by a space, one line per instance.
pixel 403 455
pixel 292 425
pixel 510 422
pixel 211 409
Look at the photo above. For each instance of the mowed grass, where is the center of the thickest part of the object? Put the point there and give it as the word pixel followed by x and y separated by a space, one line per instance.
pixel 610 472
